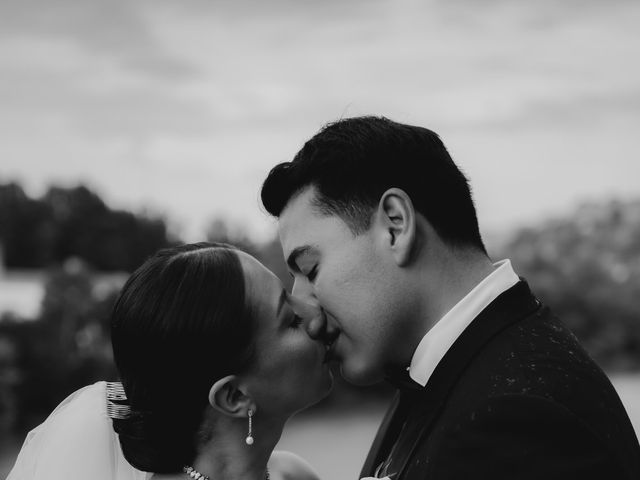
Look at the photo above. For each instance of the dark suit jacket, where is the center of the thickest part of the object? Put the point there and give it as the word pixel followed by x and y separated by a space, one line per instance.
pixel 516 397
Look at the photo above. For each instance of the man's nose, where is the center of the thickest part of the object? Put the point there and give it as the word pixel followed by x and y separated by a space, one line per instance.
pixel 303 290
pixel 316 326
pixel 306 306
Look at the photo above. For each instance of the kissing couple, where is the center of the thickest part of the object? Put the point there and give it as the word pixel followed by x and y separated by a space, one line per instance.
pixel 392 282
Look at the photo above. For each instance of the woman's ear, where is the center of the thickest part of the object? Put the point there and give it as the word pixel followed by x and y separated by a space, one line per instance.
pixel 226 397
pixel 398 219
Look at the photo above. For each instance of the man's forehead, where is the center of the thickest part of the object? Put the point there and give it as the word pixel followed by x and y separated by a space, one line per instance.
pixel 300 203
pixel 302 224
pixel 296 220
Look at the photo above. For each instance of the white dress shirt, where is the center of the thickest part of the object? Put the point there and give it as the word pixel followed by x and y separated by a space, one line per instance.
pixel 435 344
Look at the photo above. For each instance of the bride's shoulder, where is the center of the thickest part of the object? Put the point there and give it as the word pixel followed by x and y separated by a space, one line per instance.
pixel 289 466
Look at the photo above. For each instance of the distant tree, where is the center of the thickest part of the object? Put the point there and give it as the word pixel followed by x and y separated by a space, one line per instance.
pixel 25 231
pixel 587 268
pixel 75 222
pixel 66 348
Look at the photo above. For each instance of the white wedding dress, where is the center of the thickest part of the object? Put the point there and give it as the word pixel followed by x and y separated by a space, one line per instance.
pixel 75 442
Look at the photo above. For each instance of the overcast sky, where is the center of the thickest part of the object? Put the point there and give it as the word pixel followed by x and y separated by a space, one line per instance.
pixel 182 107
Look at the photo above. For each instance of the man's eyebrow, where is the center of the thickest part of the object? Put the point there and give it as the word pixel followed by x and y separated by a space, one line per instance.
pixel 293 256
pixel 281 300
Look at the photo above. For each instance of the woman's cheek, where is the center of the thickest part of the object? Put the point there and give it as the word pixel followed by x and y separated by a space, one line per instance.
pixel 304 353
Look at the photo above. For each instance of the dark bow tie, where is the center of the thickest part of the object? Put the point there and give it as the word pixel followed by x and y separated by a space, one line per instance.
pixel 399 378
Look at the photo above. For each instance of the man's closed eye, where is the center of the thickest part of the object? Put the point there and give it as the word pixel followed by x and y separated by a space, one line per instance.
pixel 311 275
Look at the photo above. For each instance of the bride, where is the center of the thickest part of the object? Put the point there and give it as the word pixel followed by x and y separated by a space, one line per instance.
pixel 213 359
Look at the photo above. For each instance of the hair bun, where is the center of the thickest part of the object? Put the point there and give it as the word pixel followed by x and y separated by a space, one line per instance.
pixel 144 439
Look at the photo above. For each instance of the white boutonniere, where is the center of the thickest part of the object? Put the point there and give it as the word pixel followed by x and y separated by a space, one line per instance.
pixel 388 477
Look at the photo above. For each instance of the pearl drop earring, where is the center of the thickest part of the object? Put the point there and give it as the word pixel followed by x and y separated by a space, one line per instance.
pixel 249 439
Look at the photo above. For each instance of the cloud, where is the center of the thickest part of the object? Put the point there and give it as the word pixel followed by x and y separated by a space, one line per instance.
pixel 96 95
pixel 186 105
pixel 114 28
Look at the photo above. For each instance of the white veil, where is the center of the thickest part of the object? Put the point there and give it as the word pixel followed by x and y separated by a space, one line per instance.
pixel 76 441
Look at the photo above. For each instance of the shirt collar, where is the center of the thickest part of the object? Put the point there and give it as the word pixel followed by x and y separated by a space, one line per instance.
pixel 435 344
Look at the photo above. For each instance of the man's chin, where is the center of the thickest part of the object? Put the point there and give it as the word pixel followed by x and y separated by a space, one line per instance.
pixel 359 376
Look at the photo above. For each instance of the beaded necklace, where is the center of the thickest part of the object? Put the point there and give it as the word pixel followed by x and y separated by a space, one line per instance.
pixel 196 475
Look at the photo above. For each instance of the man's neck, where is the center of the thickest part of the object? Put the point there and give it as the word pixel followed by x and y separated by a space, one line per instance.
pixel 453 277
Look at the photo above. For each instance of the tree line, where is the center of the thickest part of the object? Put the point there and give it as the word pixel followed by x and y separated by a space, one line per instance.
pixel 36 233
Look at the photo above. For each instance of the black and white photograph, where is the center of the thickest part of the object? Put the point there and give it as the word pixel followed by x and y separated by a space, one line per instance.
pixel 296 240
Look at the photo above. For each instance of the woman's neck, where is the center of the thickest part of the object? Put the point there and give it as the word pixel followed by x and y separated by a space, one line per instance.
pixel 226 456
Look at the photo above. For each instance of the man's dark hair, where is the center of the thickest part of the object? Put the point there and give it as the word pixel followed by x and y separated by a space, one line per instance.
pixel 353 161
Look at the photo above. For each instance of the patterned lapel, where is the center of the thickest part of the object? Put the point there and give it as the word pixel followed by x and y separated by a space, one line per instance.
pixel 425 404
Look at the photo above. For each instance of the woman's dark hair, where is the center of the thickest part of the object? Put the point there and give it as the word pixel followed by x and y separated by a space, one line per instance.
pixel 180 323
pixel 353 161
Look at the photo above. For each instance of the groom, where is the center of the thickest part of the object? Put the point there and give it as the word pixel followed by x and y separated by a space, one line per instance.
pixel 378 226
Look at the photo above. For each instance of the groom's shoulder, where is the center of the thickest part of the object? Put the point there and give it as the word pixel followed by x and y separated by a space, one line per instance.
pixel 542 344
pixel 285 465
pixel 538 357
pixel 537 353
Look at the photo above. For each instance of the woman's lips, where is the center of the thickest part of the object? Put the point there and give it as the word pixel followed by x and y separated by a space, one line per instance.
pixel 330 351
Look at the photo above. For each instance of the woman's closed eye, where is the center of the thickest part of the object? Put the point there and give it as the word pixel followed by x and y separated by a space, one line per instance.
pixel 296 321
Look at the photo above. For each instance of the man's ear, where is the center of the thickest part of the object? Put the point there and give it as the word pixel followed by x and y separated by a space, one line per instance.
pixel 226 397
pixel 398 219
